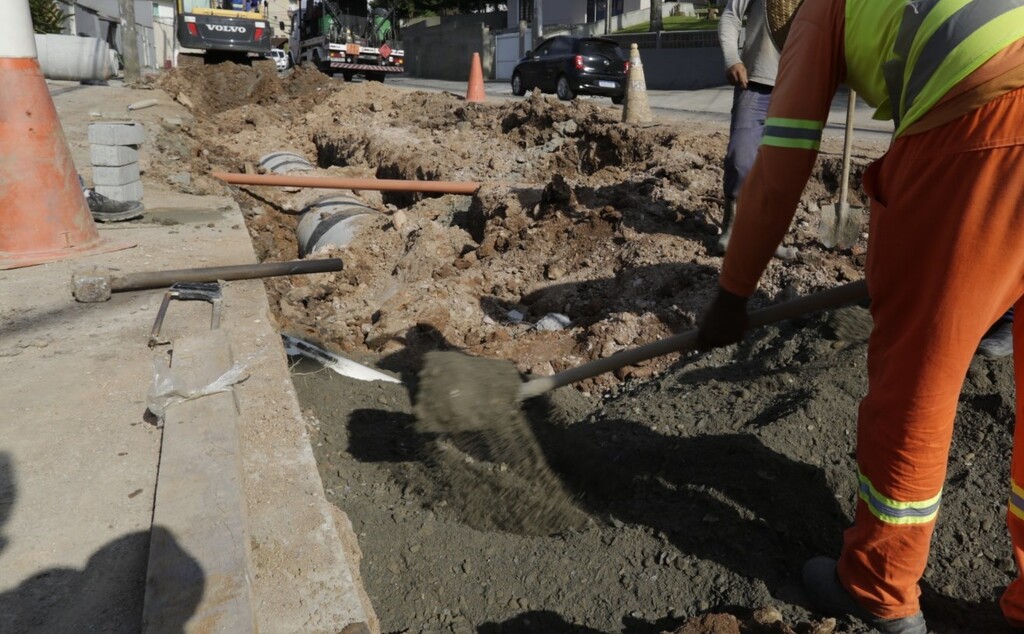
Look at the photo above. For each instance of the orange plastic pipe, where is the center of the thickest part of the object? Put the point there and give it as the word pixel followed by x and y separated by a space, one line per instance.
pixel 376 184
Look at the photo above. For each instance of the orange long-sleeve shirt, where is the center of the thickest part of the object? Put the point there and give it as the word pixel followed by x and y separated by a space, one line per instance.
pixel 811 69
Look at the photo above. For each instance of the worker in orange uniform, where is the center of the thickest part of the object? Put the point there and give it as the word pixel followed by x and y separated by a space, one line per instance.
pixel 945 259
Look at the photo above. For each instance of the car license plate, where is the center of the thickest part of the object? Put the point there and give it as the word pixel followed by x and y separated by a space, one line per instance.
pixel 607 84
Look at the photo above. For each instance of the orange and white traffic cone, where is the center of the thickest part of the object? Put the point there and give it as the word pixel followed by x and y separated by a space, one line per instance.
pixel 43 214
pixel 636 110
pixel 475 92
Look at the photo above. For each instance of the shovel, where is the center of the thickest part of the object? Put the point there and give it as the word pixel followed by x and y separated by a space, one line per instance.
pixel 840 224
pixel 459 393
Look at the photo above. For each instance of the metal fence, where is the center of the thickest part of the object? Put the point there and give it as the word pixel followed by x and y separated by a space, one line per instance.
pixel 667 39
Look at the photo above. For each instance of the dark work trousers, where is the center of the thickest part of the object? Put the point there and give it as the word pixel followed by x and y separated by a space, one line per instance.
pixel 749 109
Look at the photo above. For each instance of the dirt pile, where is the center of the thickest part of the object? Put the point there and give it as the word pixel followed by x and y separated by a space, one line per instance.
pixel 704 481
pixel 607 225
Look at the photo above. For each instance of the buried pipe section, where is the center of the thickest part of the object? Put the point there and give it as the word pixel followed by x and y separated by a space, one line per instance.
pixel 285 162
pixel 333 220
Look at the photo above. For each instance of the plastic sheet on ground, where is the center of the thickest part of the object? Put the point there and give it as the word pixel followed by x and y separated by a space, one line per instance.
pixel 169 389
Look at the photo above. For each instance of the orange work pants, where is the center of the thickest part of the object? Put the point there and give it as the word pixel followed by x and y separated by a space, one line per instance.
pixel 945 260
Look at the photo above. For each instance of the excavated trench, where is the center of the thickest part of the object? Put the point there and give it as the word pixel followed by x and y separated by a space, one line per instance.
pixel 697 484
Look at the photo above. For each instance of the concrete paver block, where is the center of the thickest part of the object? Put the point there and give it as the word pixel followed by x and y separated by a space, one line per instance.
pixel 123 193
pixel 117 133
pixel 113 155
pixel 124 175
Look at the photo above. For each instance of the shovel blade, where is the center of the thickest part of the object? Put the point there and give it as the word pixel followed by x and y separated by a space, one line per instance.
pixel 840 226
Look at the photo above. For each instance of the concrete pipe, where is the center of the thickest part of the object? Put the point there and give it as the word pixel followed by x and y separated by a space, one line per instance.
pixel 333 220
pixel 285 163
pixel 74 58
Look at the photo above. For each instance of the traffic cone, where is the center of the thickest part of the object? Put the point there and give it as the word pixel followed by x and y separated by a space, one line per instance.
pixel 475 92
pixel 43 214
pixel 636 110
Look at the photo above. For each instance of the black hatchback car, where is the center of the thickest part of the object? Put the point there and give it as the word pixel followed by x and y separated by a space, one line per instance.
pixel 570 66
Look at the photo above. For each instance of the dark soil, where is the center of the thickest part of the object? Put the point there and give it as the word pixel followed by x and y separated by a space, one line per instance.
pixel 698 483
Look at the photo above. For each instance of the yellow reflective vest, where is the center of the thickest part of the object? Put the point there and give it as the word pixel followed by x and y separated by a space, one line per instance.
pixel 903 56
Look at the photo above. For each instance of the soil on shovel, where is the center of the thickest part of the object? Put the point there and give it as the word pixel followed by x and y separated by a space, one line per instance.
pixel 690 489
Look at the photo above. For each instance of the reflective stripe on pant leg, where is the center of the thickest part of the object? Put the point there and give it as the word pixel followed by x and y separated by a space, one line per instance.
pixel 1012 601
pixel 945 259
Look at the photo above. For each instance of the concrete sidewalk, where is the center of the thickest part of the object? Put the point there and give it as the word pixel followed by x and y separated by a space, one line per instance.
pixel 79 460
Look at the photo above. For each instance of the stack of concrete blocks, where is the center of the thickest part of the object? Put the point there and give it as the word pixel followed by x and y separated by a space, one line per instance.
pixel 114 154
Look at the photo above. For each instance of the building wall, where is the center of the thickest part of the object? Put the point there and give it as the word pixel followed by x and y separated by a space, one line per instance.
pixel 279 11
pixel 163 32
pixel 571 12
pixel 101 19
pixel 445 51
pixel 567 11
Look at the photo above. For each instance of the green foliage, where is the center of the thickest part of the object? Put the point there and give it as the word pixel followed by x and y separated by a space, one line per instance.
pixel 47 16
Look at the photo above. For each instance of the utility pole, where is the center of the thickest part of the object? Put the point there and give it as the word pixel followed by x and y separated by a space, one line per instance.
pixel 538 23
pixel 129 43
pixel 656 21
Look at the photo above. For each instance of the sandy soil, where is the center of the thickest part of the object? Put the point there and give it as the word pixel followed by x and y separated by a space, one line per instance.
pixel 702 482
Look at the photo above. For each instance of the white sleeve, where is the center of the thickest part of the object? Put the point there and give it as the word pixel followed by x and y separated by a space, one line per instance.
pixel 730 24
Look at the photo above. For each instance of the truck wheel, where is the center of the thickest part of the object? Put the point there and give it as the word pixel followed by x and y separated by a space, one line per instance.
pixel 375 76
pixel 518 89
pixel 348 75
pixel 618 100
pixel 563 90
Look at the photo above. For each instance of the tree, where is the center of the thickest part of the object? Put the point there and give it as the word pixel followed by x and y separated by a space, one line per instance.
pixel 47 16
pixel 656 22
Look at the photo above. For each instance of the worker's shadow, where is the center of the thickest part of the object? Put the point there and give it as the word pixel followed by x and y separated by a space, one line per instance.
pixel 106 595
pixel 946 615
pixel 535 621
pixel 637 208
pixel 726 498
pixel 590 301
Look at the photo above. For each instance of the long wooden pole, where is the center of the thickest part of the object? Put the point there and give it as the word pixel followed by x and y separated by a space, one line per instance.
pixel 367 184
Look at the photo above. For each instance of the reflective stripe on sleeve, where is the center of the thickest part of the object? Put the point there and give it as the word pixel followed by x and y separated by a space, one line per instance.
pixel 1016 500
pixel 895 512
pixel 803 134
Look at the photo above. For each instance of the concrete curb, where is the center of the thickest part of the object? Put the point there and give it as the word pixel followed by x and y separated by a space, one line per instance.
pixel 200 505
pixel 303 556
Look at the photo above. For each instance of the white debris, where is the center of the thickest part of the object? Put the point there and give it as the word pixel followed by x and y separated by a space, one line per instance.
pixel 345 367
pixel 553 321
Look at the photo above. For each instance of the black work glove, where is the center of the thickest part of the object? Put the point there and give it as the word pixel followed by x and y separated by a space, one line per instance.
pixel 724 321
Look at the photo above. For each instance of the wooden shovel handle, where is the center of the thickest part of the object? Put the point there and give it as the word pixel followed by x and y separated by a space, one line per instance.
pixel 844 187
pixel 822 300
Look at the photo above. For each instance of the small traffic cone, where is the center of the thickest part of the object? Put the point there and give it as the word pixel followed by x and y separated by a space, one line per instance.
pixel 43 214
pixel 475 92
pixel 636 110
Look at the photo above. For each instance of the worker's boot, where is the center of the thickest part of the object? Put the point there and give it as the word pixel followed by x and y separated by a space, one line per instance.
pixel 728 216
pixel 106 210
pixel 999 343
pixel 828 596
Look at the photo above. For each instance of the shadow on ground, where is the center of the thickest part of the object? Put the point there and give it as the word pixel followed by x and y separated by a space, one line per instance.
pixel 104 596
